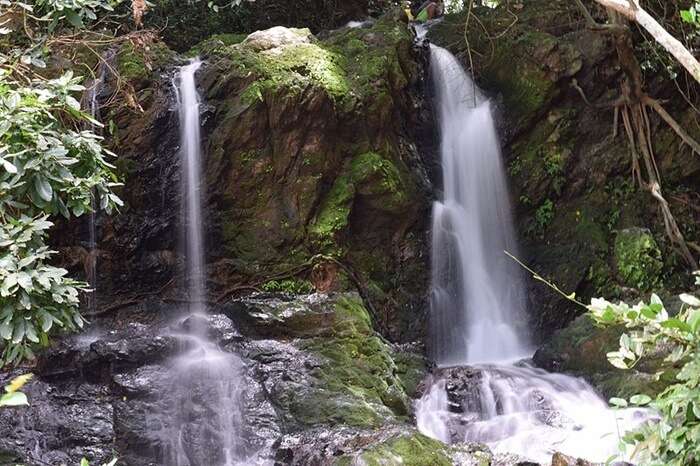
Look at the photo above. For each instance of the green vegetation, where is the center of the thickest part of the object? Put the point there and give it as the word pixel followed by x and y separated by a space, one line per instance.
pixel 357 381
pixel 675 439
pixel 289 286
pixel 12 395
pixel 638 259
pixel 51 166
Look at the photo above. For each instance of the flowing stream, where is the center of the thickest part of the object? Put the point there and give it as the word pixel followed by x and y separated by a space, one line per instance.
pixel 205 415
pixel 478 307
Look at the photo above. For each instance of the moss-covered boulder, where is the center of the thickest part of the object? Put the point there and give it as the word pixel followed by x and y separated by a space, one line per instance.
pixel 414 449
pixel 333 368
pixel 184 23
pixel 310 152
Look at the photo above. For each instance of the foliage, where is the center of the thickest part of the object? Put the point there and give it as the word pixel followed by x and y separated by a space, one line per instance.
pixel 692 15
pixel 289 286
pixel 675 439
pixel 544 214
pixel 12 395
pixel 50 165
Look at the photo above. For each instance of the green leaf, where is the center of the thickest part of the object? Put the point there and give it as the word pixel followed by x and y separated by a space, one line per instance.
pixel 690 300
pixel 14 399
pixel 618 402
pixel 43 188
pixel 9 167
pixel 676 324
pixel 640 400
pixel 74 18
pixel 84 462
pixel 688 16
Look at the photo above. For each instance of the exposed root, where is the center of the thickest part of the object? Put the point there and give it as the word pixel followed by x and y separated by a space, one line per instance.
pixel 632 105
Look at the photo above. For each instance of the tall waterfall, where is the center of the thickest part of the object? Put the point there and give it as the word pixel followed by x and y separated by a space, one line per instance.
pixel 191 153
pixel 477 291
pixel 203 423
pixel 478 305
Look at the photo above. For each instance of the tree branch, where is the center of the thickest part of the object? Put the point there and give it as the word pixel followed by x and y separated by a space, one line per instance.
pixel 631 10
pixel 682 133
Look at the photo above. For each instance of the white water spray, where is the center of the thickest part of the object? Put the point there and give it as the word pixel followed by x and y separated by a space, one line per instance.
pixel 478 307
pixel 205 417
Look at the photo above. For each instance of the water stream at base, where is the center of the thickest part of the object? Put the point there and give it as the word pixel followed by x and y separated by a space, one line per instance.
pixel 478 307
pixel 205 415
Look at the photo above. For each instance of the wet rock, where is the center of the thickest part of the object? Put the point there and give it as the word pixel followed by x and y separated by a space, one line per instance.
pixel 336 383
pixel 275 37
pixel 559 459
pixel 284 125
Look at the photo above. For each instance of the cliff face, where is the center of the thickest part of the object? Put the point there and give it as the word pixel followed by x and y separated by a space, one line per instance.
pixel 314 177
pixel 579 211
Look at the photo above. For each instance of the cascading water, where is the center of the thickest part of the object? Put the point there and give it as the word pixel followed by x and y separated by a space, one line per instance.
pixel 207 384
pixel 477 292
pixel 478 307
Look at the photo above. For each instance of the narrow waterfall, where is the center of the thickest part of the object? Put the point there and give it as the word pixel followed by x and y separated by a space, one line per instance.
pixel 91 101
pixel 478 307
pixel 191 153
pixel 204 419
pixel 477 291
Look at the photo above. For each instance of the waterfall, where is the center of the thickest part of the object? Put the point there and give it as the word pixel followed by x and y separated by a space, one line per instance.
pixel 191 153
pixel 477 293
pixel 478 307
pixel 91 101
pixel 203 422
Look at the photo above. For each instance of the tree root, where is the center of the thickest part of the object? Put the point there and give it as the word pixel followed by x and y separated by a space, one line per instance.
pixel 632 106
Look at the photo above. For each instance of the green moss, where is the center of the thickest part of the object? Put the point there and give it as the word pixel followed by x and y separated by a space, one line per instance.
pixel 215 42
pixel 369 174
pixel 411 370
pixel 409 450
pixel 335 209
pixel 357 384
pixel 377 176
pixel 638 259
pixel 350 65
pixel 138 63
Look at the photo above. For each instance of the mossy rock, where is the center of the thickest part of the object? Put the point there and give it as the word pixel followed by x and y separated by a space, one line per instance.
pixel 358 366
pixel 369 175
pixel 139 58
pixel 407 450
pixel 349 376
pixel 638 259
pixel 524 65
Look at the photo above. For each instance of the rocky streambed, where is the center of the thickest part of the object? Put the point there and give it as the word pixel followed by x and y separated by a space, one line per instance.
pixel 322 388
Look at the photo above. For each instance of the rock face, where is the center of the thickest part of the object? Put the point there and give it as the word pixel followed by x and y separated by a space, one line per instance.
pixel 332 388
pixel 570 177
pixel 313 173
pixel 310 153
